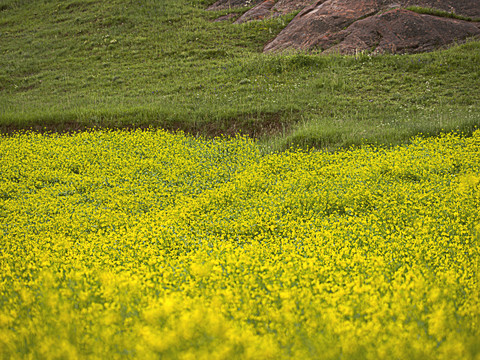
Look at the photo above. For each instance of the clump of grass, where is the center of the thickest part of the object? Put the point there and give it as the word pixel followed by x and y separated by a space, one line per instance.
pixel 440 13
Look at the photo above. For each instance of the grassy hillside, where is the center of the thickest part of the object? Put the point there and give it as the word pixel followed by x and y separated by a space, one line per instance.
pixel 66 65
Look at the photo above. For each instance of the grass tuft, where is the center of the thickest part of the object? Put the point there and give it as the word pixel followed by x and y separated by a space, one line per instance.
pixel 440 13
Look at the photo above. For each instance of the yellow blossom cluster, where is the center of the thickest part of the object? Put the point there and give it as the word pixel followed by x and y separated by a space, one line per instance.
pixel 148 245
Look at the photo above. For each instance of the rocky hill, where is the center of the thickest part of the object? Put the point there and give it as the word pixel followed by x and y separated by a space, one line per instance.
pixel 377 26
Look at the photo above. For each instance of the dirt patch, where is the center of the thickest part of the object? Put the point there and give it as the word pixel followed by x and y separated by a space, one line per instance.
pixel 252 125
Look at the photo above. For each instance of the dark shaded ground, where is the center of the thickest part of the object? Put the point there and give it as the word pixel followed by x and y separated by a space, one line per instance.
pixel 252 125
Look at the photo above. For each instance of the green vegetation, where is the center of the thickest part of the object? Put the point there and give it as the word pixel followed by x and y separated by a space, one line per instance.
pixel 441 13
pixel 75 64
pixel 149 245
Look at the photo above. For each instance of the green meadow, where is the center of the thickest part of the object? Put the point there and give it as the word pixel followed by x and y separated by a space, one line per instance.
pixel 72 65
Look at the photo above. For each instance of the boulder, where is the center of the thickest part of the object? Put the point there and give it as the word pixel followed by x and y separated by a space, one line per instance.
pixel 326 23
pixel 319 20
pixel 259 12
pixel 272 8
pixel 288 6
pixel 399 31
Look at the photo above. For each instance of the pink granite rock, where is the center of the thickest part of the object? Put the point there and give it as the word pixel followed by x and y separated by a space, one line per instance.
pixel 322 24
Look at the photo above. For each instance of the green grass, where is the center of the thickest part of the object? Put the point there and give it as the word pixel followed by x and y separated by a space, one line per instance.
pixel 440 13
pixel 71 65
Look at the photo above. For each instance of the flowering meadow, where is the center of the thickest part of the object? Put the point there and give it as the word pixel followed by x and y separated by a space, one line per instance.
pixel 152 245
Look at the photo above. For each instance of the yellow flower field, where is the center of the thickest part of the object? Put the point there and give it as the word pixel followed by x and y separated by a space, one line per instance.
pixel 151 245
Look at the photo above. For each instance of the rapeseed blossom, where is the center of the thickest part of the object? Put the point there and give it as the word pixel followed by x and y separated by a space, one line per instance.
pixel 147 245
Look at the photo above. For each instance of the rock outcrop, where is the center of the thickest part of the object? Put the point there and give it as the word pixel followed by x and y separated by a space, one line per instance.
pixel 399 31
pixel 259 12
pixel 350 26
pixel 288 6
pixel 272 8
pixel 337 24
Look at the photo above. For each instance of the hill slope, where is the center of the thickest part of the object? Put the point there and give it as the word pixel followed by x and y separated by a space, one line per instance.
pixel 75 64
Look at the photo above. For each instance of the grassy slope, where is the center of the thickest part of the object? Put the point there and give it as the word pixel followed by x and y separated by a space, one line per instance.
pixel 74 64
